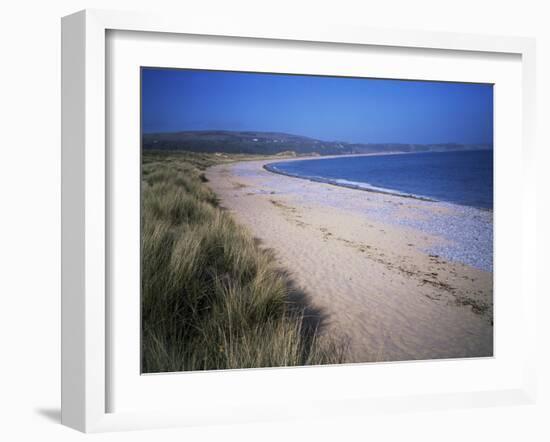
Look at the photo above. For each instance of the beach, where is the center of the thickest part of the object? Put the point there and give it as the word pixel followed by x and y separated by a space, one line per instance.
pixel 397 278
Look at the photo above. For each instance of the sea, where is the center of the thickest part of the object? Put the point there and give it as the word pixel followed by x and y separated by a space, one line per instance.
pixel 458 177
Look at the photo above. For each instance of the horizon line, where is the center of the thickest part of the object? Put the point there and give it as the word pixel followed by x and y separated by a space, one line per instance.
pixel 315 139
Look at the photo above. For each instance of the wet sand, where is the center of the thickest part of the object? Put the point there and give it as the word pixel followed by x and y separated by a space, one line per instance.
pixel 370 261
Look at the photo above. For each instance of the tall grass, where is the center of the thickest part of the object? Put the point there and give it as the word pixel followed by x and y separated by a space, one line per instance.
pixel 212 298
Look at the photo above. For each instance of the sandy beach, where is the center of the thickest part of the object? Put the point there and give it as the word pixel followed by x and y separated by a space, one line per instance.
pixel 397 277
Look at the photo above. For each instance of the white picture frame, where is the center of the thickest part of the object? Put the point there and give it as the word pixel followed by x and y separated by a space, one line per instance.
pixel 85 209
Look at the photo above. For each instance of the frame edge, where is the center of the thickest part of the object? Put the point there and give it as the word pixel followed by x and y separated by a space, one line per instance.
pixel 83 385
pixel 73 80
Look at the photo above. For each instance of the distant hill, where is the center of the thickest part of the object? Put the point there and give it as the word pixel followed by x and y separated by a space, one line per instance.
pixel 271 143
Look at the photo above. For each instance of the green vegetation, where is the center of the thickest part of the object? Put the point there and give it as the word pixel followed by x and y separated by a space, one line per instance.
pixel 271 143
pixel 212 298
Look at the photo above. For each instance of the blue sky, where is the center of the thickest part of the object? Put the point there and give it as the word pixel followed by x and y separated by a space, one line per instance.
pixel 328 108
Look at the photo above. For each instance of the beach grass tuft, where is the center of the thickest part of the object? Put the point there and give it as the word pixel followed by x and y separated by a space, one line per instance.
pixel 212 297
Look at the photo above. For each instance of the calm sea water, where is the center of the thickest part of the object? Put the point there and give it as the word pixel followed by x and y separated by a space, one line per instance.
pixel 464 178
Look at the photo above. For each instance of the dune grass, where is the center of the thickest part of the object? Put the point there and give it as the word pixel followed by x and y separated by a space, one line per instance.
pixel 212 298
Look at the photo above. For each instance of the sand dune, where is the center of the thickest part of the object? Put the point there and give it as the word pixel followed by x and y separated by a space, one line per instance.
pixel 359 259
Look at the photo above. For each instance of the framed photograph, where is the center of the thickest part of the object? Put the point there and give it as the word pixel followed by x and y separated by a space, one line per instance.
pixel 262 222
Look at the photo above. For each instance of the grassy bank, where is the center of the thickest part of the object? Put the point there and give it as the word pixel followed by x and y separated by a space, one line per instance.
pixel 212 298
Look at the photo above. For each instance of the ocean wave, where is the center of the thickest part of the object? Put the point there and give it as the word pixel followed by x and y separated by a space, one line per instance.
pixel 349 184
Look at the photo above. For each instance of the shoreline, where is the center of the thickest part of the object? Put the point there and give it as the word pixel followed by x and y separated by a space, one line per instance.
pixel 271 169
pixel 359 186
pixel 368 261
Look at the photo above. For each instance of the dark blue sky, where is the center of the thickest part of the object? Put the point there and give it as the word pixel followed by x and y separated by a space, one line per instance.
pixel 327 108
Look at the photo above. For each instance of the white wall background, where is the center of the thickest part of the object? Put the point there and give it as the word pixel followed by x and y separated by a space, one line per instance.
pixel 30 219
